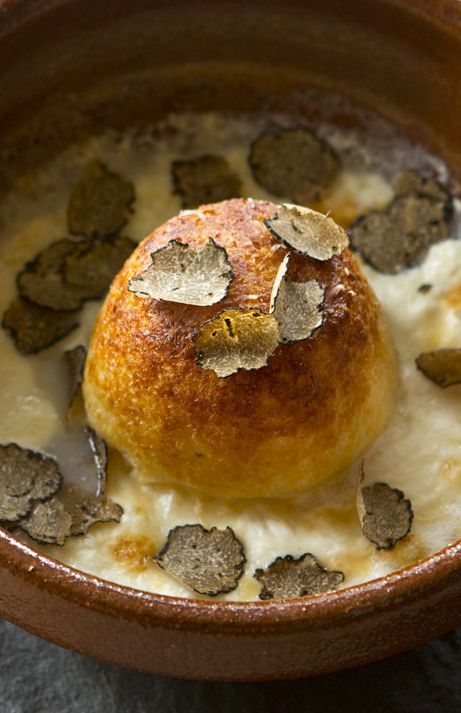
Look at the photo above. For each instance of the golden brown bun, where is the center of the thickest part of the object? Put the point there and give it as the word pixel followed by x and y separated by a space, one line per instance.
pixel 267 432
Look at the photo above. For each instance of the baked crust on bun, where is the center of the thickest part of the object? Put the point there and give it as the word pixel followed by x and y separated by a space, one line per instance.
pixel 267 432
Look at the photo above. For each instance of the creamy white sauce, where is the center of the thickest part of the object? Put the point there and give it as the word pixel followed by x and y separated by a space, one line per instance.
pixel 420 451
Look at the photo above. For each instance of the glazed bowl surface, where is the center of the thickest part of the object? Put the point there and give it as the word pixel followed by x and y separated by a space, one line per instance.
pixel 69 68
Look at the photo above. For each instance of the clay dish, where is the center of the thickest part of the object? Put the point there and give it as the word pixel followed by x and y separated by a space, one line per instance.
pixel 72 67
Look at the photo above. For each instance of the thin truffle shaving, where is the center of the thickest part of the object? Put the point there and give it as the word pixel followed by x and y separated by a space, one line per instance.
pixel 68 514
pixel 100 455
pixel 67 273
pixel 297 306
pixel 26 477
pixel 442 366
pixel 35 328
pixel 75 362
pixel 385 514
pixel 413 182
pixel 180 273
pixel 42 280
pixel 49 523
pixel 288 577
pixel 308 232
pixel 399 236
pixel 208 561
pixel 100 203
pixel 294 163
pixel 236 339
pixel 31 496
pixel 90 510
pixel 93 264
pixel 206 179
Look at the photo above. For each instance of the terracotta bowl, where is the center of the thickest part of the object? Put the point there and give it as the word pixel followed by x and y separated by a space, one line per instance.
pixel 70 67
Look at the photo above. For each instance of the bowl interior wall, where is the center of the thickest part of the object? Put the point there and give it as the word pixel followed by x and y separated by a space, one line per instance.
pixel 72 67
pixel 69 68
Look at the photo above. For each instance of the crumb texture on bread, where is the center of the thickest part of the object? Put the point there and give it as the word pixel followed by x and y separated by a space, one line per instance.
pixel 269 432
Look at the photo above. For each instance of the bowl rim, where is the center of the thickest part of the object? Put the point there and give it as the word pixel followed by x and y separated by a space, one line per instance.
pixel 403 586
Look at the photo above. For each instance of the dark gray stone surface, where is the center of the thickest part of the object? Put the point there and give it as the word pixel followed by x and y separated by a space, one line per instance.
pixel 36 677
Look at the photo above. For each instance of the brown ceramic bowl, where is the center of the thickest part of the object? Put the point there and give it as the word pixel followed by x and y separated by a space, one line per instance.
pixel 69 67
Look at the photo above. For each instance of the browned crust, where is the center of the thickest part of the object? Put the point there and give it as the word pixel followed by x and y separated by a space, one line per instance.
pixel 146 395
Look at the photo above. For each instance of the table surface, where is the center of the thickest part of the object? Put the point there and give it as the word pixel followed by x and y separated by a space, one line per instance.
pixel 37 677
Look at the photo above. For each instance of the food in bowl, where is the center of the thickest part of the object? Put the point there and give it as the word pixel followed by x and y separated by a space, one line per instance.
pixel 204 395
pixel 298 462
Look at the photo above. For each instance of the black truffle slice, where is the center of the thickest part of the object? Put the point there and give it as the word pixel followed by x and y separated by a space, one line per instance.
pixel 100 203
pixel 288 577
pixel 208 561
pixel 25 478
pixel 294 163
pixel 308 232
pixel 413 182
pixel 93 265
pixel 399 237
pixel 35 328
pixel 75 362
pixel 90 510
pixel 236 339
pixel 42 280
pixel 66 273
pixel 100 454
pixel 54 521
pixel 49 523
pixel 385 514
pixel 297 306
pixel 181 273
pixel 442 366
pixel 206 179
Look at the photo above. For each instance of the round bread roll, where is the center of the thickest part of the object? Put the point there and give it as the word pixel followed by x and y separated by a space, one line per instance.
pixel 267 432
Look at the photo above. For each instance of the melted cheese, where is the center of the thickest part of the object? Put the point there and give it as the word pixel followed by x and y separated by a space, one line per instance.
pixel 420 451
